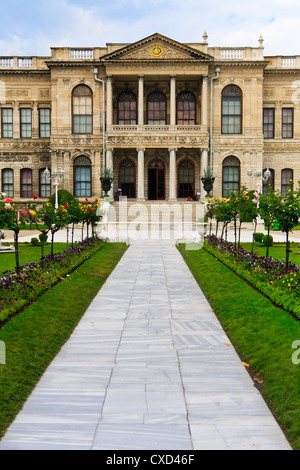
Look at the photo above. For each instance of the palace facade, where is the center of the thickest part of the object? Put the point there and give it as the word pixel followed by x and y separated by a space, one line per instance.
pixel 156 112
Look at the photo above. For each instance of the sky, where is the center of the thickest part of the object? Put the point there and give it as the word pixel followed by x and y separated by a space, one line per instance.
pixel 32 27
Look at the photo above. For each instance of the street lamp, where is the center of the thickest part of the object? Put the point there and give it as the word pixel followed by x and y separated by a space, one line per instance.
pixel 57 176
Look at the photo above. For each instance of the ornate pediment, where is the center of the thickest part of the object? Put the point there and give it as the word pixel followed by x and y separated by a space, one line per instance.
pixel 157 48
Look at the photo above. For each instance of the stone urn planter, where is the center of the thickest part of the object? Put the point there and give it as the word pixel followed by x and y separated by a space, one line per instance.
pixel 106 181
pixel 208 184
pixel 207 181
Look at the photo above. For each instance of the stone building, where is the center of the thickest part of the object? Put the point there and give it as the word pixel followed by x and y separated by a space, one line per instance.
pixel 156 112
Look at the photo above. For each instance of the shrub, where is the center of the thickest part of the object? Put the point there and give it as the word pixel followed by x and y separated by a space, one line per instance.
pixel 265 240
pixel 64 197
pixel 258 237
pixel 34 242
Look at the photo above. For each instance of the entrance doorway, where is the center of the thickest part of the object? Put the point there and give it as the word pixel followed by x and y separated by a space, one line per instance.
pixel 156 180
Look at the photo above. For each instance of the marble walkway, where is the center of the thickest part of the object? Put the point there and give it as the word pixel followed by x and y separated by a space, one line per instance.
pixel 148 367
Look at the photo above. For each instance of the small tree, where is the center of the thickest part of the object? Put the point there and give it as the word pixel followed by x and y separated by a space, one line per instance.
pixel 9 217
pixel 287 213
pixel 267 210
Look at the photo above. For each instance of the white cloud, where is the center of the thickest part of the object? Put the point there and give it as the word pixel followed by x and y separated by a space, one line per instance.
pixel 231 23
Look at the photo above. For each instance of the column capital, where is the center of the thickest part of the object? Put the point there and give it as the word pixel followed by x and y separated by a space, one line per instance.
pixel 174 149
pixel 140 149
pixel 173 76
pixel 141 76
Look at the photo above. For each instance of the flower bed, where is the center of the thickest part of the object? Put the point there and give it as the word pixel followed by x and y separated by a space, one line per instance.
pixel 18 290
pixel 270 276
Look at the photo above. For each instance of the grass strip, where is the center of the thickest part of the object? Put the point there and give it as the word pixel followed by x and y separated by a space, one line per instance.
pixel 34 337
pixel 261 333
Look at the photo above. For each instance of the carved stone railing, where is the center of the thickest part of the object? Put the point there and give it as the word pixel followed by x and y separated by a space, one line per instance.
pixel 120 129
pixel 82 54
pixel 6 62
pixel 232 53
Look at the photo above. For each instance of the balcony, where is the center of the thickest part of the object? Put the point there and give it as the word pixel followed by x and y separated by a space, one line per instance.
pixel 149 136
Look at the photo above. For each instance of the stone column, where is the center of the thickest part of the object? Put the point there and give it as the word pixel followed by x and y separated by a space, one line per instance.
pixel 172 175
pixel 173 100
pixel 35 122
pixel 203 166
pixel 141 101
pixel 141 172
pixel 109 105
pixel 204 102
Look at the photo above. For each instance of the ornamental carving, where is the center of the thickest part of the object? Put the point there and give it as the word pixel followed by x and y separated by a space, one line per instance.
pixel 44 93
pixel 20 93
pixel 157 141
pixel 14 158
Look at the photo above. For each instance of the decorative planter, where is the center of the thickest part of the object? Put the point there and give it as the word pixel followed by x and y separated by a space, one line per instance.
pixel 106 184
pixel 207 184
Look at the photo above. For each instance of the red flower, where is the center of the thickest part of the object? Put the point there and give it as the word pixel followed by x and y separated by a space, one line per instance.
pixel 92 210
pixel 86 199
pixel 9 200
pixel 34 197
pixel 66 206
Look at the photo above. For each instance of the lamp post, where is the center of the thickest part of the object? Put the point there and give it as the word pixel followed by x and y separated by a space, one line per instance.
pixel 57 176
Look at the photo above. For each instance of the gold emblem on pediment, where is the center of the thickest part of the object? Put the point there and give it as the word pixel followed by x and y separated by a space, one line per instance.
pixel 157 50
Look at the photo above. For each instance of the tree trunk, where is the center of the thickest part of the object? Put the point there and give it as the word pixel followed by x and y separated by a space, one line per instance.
pixel 268 234
pixel 217 227
pixel 17 250
pixel 52 243
pixel 240 227
pixel 287 250
pixel 73 228
pixel 255 222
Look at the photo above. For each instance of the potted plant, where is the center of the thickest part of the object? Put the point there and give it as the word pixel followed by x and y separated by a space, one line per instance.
pixel 106 180
pixel 207 180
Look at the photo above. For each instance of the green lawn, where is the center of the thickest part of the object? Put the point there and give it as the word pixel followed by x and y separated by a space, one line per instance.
pixel 275 251
pixel 28 253
pixel 35 336
pixel 261 333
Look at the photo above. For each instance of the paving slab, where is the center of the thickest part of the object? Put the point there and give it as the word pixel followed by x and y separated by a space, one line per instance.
pixel 148 367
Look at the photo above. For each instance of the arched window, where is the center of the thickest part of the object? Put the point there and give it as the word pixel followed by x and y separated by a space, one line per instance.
pixel 270 181
pixel 186 179
pixel 82 177
pixel 44 184
pixel 231 110
pixel 231 175
pixel 287 177
pixel 82 110
pixel 186 108
pixel 26 182
pixel 157 108
pixel 8 182
pixel 127 178
pixel 127 108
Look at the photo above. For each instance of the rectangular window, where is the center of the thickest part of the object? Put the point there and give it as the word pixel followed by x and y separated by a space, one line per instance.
pixel 231 180
pixel 287 123
pixel 44 122
pixel 8 182
pixel 231 115
pixel 268 123
pixel 287 176
pixel 83 181
pixel 45 185
pixel 26 183
pixel 25 122
pixel 7 122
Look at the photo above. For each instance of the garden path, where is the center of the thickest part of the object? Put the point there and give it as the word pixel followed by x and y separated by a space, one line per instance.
pixel 148 367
